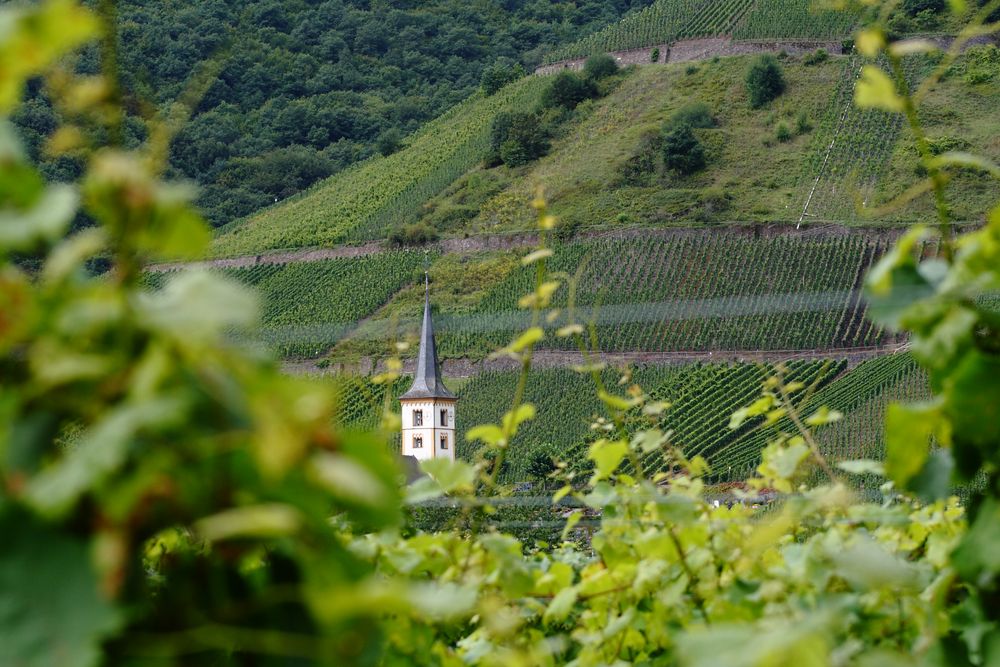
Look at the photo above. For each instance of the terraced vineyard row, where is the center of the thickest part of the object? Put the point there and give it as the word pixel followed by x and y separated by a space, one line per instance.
pixel 702 399
pixel 668 20
pixel 861 433
pixel 850 150
pixel 567 404
pixel 795 19
pixel 861 395
pixel 360 401
pixel 716 18
pixel 645 295
pixel 693 293
pixel 659 23
pixel 358 202
pixel 701 409
pixel 309 306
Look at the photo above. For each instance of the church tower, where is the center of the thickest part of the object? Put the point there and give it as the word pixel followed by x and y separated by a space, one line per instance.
pixel 428 407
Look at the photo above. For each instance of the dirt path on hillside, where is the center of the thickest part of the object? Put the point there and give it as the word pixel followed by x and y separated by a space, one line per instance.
pixel 692 50
pixel 472 244
pixel 461 368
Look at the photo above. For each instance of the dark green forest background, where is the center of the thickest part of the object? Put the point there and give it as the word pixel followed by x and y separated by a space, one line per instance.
pixel 305 88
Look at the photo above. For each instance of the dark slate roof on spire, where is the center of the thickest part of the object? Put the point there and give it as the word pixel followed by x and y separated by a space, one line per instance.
pixel 427 381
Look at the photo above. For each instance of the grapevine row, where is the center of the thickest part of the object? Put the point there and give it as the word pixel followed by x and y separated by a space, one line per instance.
pixel 659 23
pixel 693 293
pixel 784 19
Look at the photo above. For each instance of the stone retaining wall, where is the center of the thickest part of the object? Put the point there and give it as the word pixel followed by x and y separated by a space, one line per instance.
pixel 701 49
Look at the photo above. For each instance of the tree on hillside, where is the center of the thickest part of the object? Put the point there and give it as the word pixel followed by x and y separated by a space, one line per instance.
pixel 682 152
pixel 765 81
pixel 600 67
pixel 516 138
pixel 389 141
pixel 542 463
pixel 567 90
pixel 499 74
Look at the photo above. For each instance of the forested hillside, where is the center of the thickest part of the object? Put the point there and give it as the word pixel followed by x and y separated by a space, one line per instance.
pixel 286 92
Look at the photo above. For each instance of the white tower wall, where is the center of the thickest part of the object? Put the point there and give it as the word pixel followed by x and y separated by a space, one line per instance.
pixel 432 429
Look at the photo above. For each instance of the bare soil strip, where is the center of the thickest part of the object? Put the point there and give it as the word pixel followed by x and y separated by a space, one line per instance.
pixel 479 243
pixel 561 359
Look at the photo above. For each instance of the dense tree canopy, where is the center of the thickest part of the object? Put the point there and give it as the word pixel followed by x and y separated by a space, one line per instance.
pixel 303 88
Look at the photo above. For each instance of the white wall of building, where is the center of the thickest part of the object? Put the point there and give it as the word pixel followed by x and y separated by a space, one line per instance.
pixel 431 430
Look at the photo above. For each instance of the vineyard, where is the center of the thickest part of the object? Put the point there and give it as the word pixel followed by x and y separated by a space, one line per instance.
pixel 307 307
pixel 669 20
pixel 850 149
pixel 795 19
pixel 659 23
pixel 357 203
pixel 702 398
pixel 716 18
pixel 360 401
pixel 693 293
pixel 862 396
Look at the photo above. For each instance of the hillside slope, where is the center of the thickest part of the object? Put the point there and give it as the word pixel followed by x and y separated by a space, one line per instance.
pixel 764 249
pixel 754 173
pixel 807 157
pixel 363 201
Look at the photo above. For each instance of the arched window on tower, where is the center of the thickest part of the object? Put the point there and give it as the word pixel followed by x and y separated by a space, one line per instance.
pixel 444 441
pixel 418 417
pixel 444 417
pixel 418 442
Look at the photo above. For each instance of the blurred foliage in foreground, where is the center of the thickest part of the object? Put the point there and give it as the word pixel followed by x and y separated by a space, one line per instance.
pixel 169 498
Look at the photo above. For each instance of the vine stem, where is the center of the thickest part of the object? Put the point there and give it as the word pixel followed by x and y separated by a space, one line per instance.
pixel 692 579
pixel 806 433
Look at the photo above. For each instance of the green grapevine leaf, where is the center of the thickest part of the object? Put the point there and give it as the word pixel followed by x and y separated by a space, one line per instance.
pixel 51 609
pixel 979 550
pixel 606 455
pixel 561 605
pixel 972 402
pixel 909 429
pixel 824 416
pixel 862 467
pixel 269 520
pixel 876 90
pixel 450 475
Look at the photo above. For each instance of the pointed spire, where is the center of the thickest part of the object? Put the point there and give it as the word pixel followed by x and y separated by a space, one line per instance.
pixel 427 382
